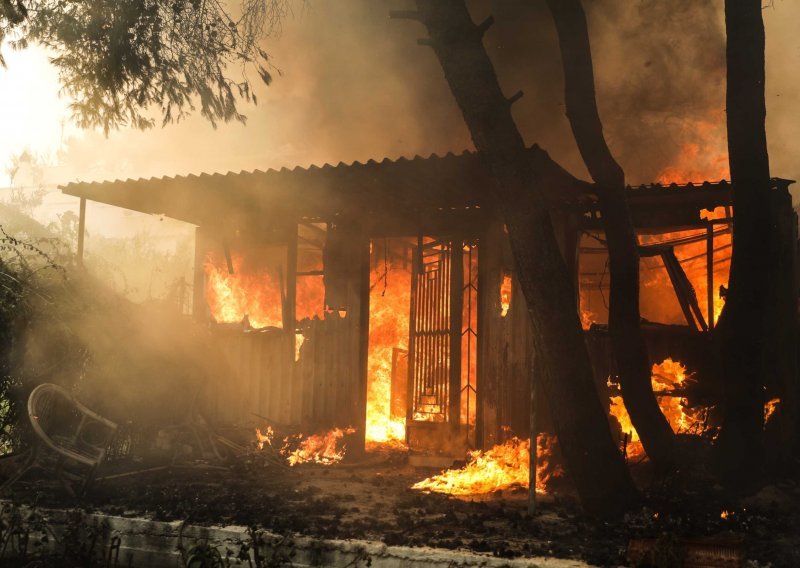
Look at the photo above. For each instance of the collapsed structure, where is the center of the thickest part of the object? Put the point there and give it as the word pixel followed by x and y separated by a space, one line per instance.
pixel 382 295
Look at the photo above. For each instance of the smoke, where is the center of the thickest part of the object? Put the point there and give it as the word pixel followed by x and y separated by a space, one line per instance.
pixel 133 363
pixel 782 89
pixel 354 85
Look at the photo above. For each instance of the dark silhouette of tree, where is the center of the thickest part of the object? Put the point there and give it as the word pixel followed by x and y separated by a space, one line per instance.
pixel 592 458
pixel 630 350
pixel 751 330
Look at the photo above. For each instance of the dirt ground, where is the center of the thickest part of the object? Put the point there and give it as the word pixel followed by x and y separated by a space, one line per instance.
pixel 371 499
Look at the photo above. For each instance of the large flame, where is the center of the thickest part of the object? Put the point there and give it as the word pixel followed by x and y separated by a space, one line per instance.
pixel 390 301
pixel 702 157
pixel 704 153
pixel 657 297
pixel 667 376
pixel 503 466
pixel 310 297
pixel 251 293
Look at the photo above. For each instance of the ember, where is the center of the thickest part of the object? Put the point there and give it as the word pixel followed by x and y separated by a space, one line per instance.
pixel 503 466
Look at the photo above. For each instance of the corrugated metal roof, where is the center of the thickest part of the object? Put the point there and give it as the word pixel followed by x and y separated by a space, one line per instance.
pixel 405 186
pixel 402 186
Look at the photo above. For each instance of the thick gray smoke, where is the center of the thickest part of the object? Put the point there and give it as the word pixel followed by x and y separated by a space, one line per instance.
pixel 355 85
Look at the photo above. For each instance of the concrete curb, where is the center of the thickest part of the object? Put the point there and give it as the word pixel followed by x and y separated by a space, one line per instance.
pixel 139 542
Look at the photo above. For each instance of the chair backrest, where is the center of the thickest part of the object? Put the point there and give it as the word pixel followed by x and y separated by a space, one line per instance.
pixel 67 427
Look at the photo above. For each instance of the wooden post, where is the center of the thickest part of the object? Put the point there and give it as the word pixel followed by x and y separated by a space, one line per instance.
pixel 363 342
pixel 533 462
pixel 81 230
pixel 484 252
pixel 290 308
pixel 456 325
pixel 710 273
pixel 416 268
pixel 198 292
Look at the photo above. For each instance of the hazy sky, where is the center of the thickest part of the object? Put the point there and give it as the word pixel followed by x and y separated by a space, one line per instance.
pixel 355 85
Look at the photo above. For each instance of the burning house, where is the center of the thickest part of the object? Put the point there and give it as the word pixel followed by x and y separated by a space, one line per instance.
pixel 381 296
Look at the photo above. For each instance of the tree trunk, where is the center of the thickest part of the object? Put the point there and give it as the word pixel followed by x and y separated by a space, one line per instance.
pixel 744 327
pixel 630 350
pixel 591 457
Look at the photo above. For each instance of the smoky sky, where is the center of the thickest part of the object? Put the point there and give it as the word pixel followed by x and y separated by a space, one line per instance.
pixel 659 64
pixel 354 85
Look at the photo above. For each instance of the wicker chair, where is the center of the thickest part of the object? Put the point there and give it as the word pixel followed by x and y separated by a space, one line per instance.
pixel 68 438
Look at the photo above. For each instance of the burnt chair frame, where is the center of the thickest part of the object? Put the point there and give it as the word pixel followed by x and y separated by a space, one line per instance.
pixel 69 447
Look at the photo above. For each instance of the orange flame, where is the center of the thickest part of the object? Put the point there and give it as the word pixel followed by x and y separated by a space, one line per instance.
pixel 390 300
pixel 245 293
pixel 657 296
pixel 666 376
pixel 588 317
pixel 703 155
pixel 658 300
pixel 505 295
pixel 769 409
pixel 321 449
pixel 262 439
pixel 503 466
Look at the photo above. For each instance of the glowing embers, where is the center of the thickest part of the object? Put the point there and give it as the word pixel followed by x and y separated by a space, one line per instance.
pixel 390 301
pixel 249 293
pixel 501 467
pixel 325 449
pixel 505 294
pixel 667 377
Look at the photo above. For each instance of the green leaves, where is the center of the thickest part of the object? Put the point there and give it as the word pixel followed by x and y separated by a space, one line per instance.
pixel 126 61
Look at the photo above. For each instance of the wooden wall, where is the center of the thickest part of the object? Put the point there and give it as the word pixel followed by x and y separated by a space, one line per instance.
pixel 327 372
pixel 506 347
pixel 324 387
pixel 263 378
pixel 258 379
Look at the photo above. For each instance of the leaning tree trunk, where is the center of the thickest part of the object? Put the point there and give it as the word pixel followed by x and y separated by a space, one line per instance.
pixel 591 457
pixel 630 350
pixel 744 327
